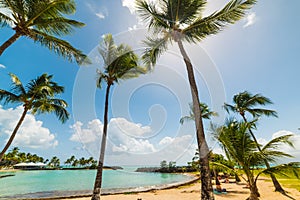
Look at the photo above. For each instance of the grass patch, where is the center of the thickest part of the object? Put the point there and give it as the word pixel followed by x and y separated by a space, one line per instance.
pixel 291 183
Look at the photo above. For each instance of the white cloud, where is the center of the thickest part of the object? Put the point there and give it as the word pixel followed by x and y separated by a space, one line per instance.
pixel 250 19
pixel 287 149
pixel 101 12
pixel 100 15
pixel 130 128
pixel 87 135
pixel 31 134
pixel 166 141
pixel 130 4
pixel 123 136
pixel 128 138
pixel 134 27
pixel 2 66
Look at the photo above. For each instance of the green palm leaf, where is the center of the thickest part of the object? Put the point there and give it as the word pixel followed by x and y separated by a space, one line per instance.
pixel 59 46
pixel 42 21
pixel 216 22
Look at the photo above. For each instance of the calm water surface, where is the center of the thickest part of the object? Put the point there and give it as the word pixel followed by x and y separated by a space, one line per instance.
pixel 25 182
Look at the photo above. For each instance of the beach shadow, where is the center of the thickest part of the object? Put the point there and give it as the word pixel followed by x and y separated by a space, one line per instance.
pixel 288 196
pixel 190 191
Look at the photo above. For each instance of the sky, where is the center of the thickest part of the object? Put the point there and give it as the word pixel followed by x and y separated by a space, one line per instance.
pixel 259 54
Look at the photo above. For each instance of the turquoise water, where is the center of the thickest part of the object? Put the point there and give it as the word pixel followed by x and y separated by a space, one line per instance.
pixel 41 181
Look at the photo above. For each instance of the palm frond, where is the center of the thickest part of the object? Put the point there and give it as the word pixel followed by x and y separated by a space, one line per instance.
pixel 17 85
pixel 184 12
pixel 216 22
pixel 107 49
pixel 186 118
pixel 8 97
pixel 259 111
pixel 38 10
pixel 43 86
pixel 276 142
pixel 154 48
pixel 229 108
pixel 286 170
pixel 222 167
pixel 57 26
pixel 148 12
pixel 59 47
pixel 5 20
pixel 56 106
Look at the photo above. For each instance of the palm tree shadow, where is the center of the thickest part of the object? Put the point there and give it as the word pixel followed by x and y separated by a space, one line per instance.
pixel 286 194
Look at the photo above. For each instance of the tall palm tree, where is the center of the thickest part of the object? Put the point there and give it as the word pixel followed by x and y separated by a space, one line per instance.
pixel 245 102
pixel 182 21
pixel 37 97
pixel 236 141
pixel 120 62
pixel 205 112
pixel 42 21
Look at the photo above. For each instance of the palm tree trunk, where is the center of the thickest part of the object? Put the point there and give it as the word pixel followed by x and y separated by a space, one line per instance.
pixel 278 187
pixel 13 133
pixel 11 40
pixel 98 180
pixel 254 194
pixel 206 185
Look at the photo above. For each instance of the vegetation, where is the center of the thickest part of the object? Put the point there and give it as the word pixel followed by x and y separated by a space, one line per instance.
pixel 54 162
pixel 205 112
pixel 245 102
pixel 183 21
pixel 89 163
pixel 37 97
pixel 42 21
pixel 237 142
pixel 120 63
pixel 15 156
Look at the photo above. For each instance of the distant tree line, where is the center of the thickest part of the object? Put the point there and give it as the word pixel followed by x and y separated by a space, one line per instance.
pixel 15 156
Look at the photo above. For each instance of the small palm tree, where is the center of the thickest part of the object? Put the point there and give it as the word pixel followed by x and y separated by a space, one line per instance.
pixel 54 162
pixel 37 97
pixel 182 21
pixel 205 112
pixel 245 102
pixel 41 21
pixel 237 142
pixel 120 62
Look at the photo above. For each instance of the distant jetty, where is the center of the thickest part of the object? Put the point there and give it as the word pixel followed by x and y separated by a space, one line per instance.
pixel 6 175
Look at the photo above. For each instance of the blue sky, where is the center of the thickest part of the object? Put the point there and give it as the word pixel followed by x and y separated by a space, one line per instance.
pixel 259 54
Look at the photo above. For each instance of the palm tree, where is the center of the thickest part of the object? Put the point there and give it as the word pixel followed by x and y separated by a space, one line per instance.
pixel 205 112
pixel 82 162
pixel 245 102
pixel 120 62
pixel 54 162
pixel 42 21
pixel 37 97
pixel 182 21
pixel 70 160
pixel 237 142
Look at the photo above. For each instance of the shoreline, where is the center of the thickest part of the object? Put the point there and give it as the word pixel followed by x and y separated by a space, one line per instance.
pixel 105 192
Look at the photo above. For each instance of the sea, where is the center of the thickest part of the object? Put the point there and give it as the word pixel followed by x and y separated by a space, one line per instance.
pixel 60 183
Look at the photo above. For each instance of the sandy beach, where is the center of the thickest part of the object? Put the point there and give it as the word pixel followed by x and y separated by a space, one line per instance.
pixel 191 192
